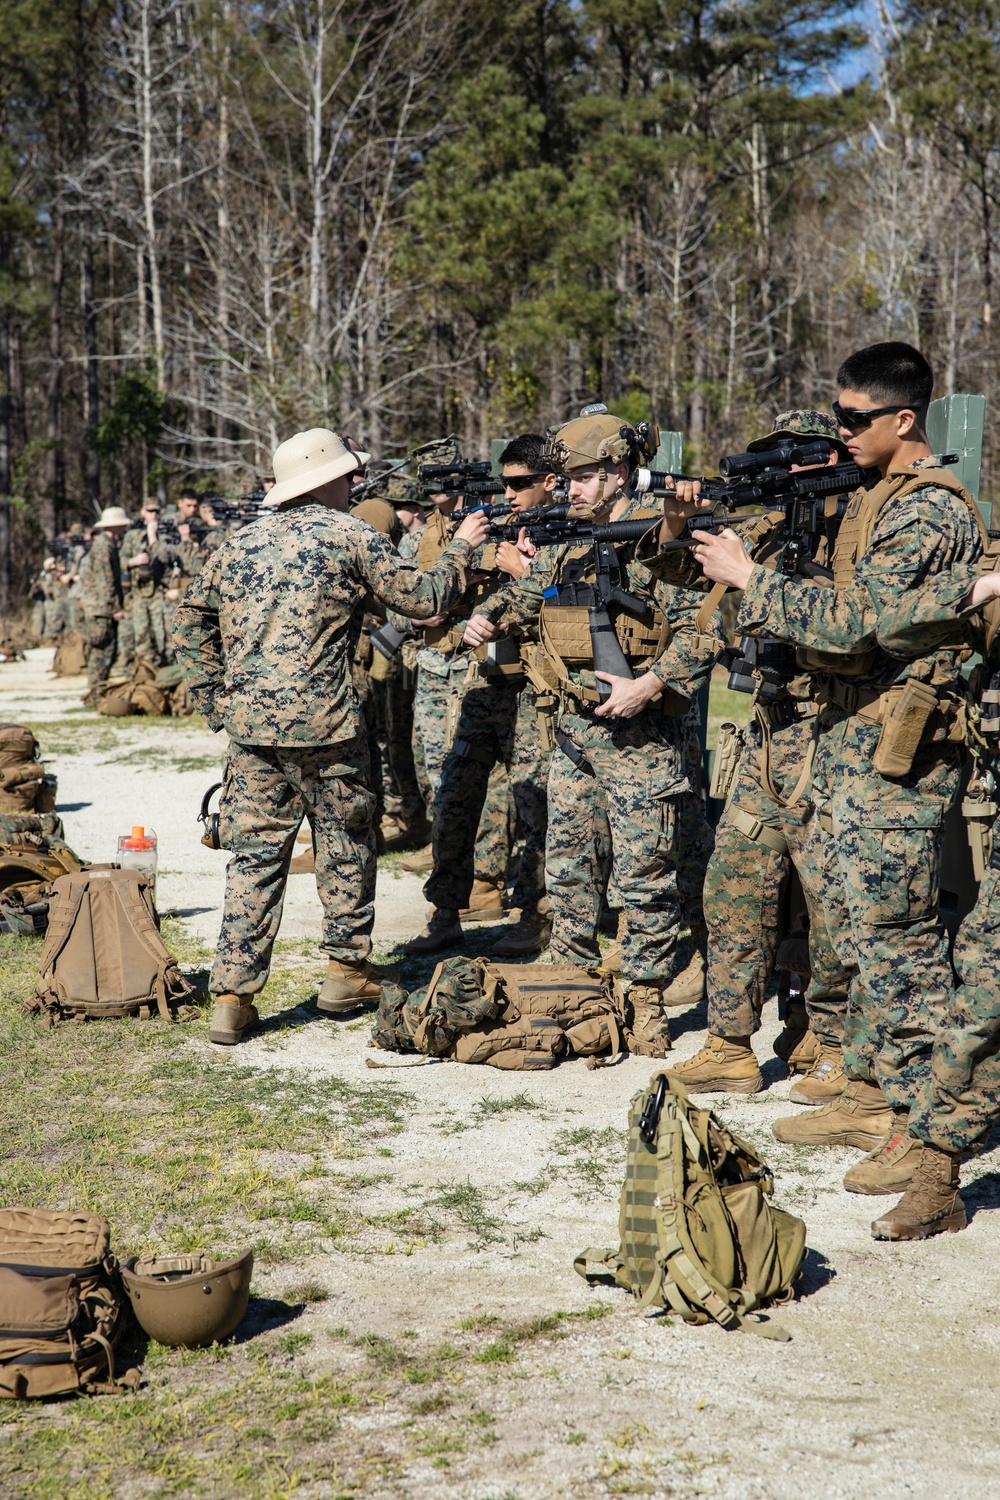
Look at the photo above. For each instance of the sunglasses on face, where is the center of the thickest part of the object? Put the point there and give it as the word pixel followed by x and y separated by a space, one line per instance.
pixel 856 420
pixel 519 482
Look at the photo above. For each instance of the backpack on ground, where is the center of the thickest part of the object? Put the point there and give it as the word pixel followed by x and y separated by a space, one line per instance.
pixel 512 1016
pixel 27 869
pixel 147 691
pixel 24 785
pixel 698 1235
pixel 62 1306
pixel 103 954
pixel 70 659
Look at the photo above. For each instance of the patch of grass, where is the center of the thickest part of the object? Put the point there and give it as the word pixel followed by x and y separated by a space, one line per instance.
pixel 466 1201
pixel 596 1160
pixel 492 1108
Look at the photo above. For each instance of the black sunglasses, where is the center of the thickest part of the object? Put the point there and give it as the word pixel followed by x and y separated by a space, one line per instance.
pixel 856 420
pixel 519 482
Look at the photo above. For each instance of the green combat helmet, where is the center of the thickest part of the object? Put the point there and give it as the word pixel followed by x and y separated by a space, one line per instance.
pixel 188 1300
pixel 800 424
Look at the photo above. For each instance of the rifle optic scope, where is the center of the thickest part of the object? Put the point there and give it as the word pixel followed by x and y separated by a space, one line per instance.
pixel 781 456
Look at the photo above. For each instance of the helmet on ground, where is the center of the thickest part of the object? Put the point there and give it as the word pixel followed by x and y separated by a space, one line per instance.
pixel 188 1300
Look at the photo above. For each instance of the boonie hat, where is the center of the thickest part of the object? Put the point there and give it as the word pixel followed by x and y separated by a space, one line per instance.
pixel 800 424
pixel 112 516
pixel 307 460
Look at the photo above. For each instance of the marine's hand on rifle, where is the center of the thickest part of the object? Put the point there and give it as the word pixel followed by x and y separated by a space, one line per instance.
pixel 478 631
pixel 629 695
pixel 514 557
pixel 680 504
pixel 723 558
pixel 474 529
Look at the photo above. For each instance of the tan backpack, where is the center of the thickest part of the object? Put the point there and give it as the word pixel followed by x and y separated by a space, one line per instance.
pixel 22 774
pixel 62 1307
pixel 514 1016
pixel 70 659
pixel 103 954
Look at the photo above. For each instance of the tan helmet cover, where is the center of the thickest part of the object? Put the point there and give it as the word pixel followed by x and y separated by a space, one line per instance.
pixel 188 1300
pixel 591 440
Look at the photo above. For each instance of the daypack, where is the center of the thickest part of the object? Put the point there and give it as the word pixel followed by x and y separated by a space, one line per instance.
pixel 698 1235
pixel 70 659
pixel 148 691
pixel 22 774
pixel 27 869
pixel 62 1307
pixel 512 1016
pixel 103 954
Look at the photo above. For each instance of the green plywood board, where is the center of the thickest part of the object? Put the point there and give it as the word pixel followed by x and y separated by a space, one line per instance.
pixel 497 445
pixel 955 424
pixel 670 454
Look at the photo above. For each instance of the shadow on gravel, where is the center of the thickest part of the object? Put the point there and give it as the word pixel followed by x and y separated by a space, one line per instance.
pixel 64 807
pixel 263 1315
pixel 982 1192
pixel 816 1273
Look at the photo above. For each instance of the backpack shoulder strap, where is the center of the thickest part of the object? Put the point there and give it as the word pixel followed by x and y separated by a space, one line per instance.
pixel 69 891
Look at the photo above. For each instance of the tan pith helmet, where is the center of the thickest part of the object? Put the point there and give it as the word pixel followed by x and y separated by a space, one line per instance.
pixel 112 516
pixel 188 1300
pixel 307 460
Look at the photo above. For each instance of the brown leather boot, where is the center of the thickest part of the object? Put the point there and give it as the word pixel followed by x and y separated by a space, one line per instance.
pixel 688 987
pixel 304 863
pixel 232 1015
pixel 890 1167
pixel 347 986
pixel 400 832
pixel 858 1117
pixel 420 862
pixel 611 959
pixel 724 1065
pixel 444 930
pixel 487 903
pixel 649 1034
pixel 931 1204
pixel 824 1079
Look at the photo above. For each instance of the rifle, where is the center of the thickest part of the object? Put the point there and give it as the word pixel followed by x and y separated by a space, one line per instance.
pixel 464 477
pixel 610 574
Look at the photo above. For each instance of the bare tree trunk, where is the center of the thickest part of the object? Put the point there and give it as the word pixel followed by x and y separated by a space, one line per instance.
pixel 144 106
pixel 6 457
pixel 54 487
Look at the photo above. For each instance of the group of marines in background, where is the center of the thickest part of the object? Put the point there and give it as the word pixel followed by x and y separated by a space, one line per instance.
pixel 490 730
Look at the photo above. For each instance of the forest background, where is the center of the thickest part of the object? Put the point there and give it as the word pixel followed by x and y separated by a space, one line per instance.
pixel 224 220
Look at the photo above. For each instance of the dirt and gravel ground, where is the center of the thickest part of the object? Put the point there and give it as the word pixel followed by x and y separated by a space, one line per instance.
pixel 446 1339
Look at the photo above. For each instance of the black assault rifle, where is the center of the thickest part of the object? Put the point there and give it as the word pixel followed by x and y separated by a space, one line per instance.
pixel 465 477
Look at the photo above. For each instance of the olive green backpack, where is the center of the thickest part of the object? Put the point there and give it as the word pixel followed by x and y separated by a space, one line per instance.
pixel 698 1235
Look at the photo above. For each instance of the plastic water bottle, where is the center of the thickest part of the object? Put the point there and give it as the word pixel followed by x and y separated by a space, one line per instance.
pixel 137 851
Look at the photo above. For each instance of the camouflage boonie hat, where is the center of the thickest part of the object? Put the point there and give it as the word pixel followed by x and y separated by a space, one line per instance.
pixel 446 451
pixel 403 489
pixel 800 424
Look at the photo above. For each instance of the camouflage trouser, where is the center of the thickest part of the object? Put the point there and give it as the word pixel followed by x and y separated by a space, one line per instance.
pixel 633 774
pixel 101 633
pixel 125 656
pixel 266 790
pixel 400 687
pixel 744 893
pixel 438 700
pixel 881 888
pixel 38 618
pixel 149 628
pixel 491 731
pixel 55 617
pixel 960 1101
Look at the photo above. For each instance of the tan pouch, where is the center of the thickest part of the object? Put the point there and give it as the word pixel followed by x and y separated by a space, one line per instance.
pixel 903 728
pixel 727 761
pixel 546 708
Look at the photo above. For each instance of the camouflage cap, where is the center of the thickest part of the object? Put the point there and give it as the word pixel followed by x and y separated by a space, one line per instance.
pixel 804 424
pixel 444 451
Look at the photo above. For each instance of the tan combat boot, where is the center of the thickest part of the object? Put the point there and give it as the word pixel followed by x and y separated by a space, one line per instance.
pixel 824 1079
pixel 688 987
pixel 858 1117
pixel 649 1034
pixel 487 903
pixel 304 863
pixel 795 1043
pixel 723 1066
pixel 889 1168
pixel 931 1204
pixel 444 930
pixel 611 959
pixel 420 862
pixel 232 1015
pixel 400 832
pixel 529 934
pixel 347 986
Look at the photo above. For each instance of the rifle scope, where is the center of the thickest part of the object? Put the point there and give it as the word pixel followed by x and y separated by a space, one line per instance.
pixel 781 456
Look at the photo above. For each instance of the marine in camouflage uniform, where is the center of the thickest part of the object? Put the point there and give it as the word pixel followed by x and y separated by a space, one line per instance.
pixel 102 596
pixel 885 824
pixel 267 636
pixel 497 727
pixel 147 583
pixel 631 767
pixel 959 1103
pixel 757 843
